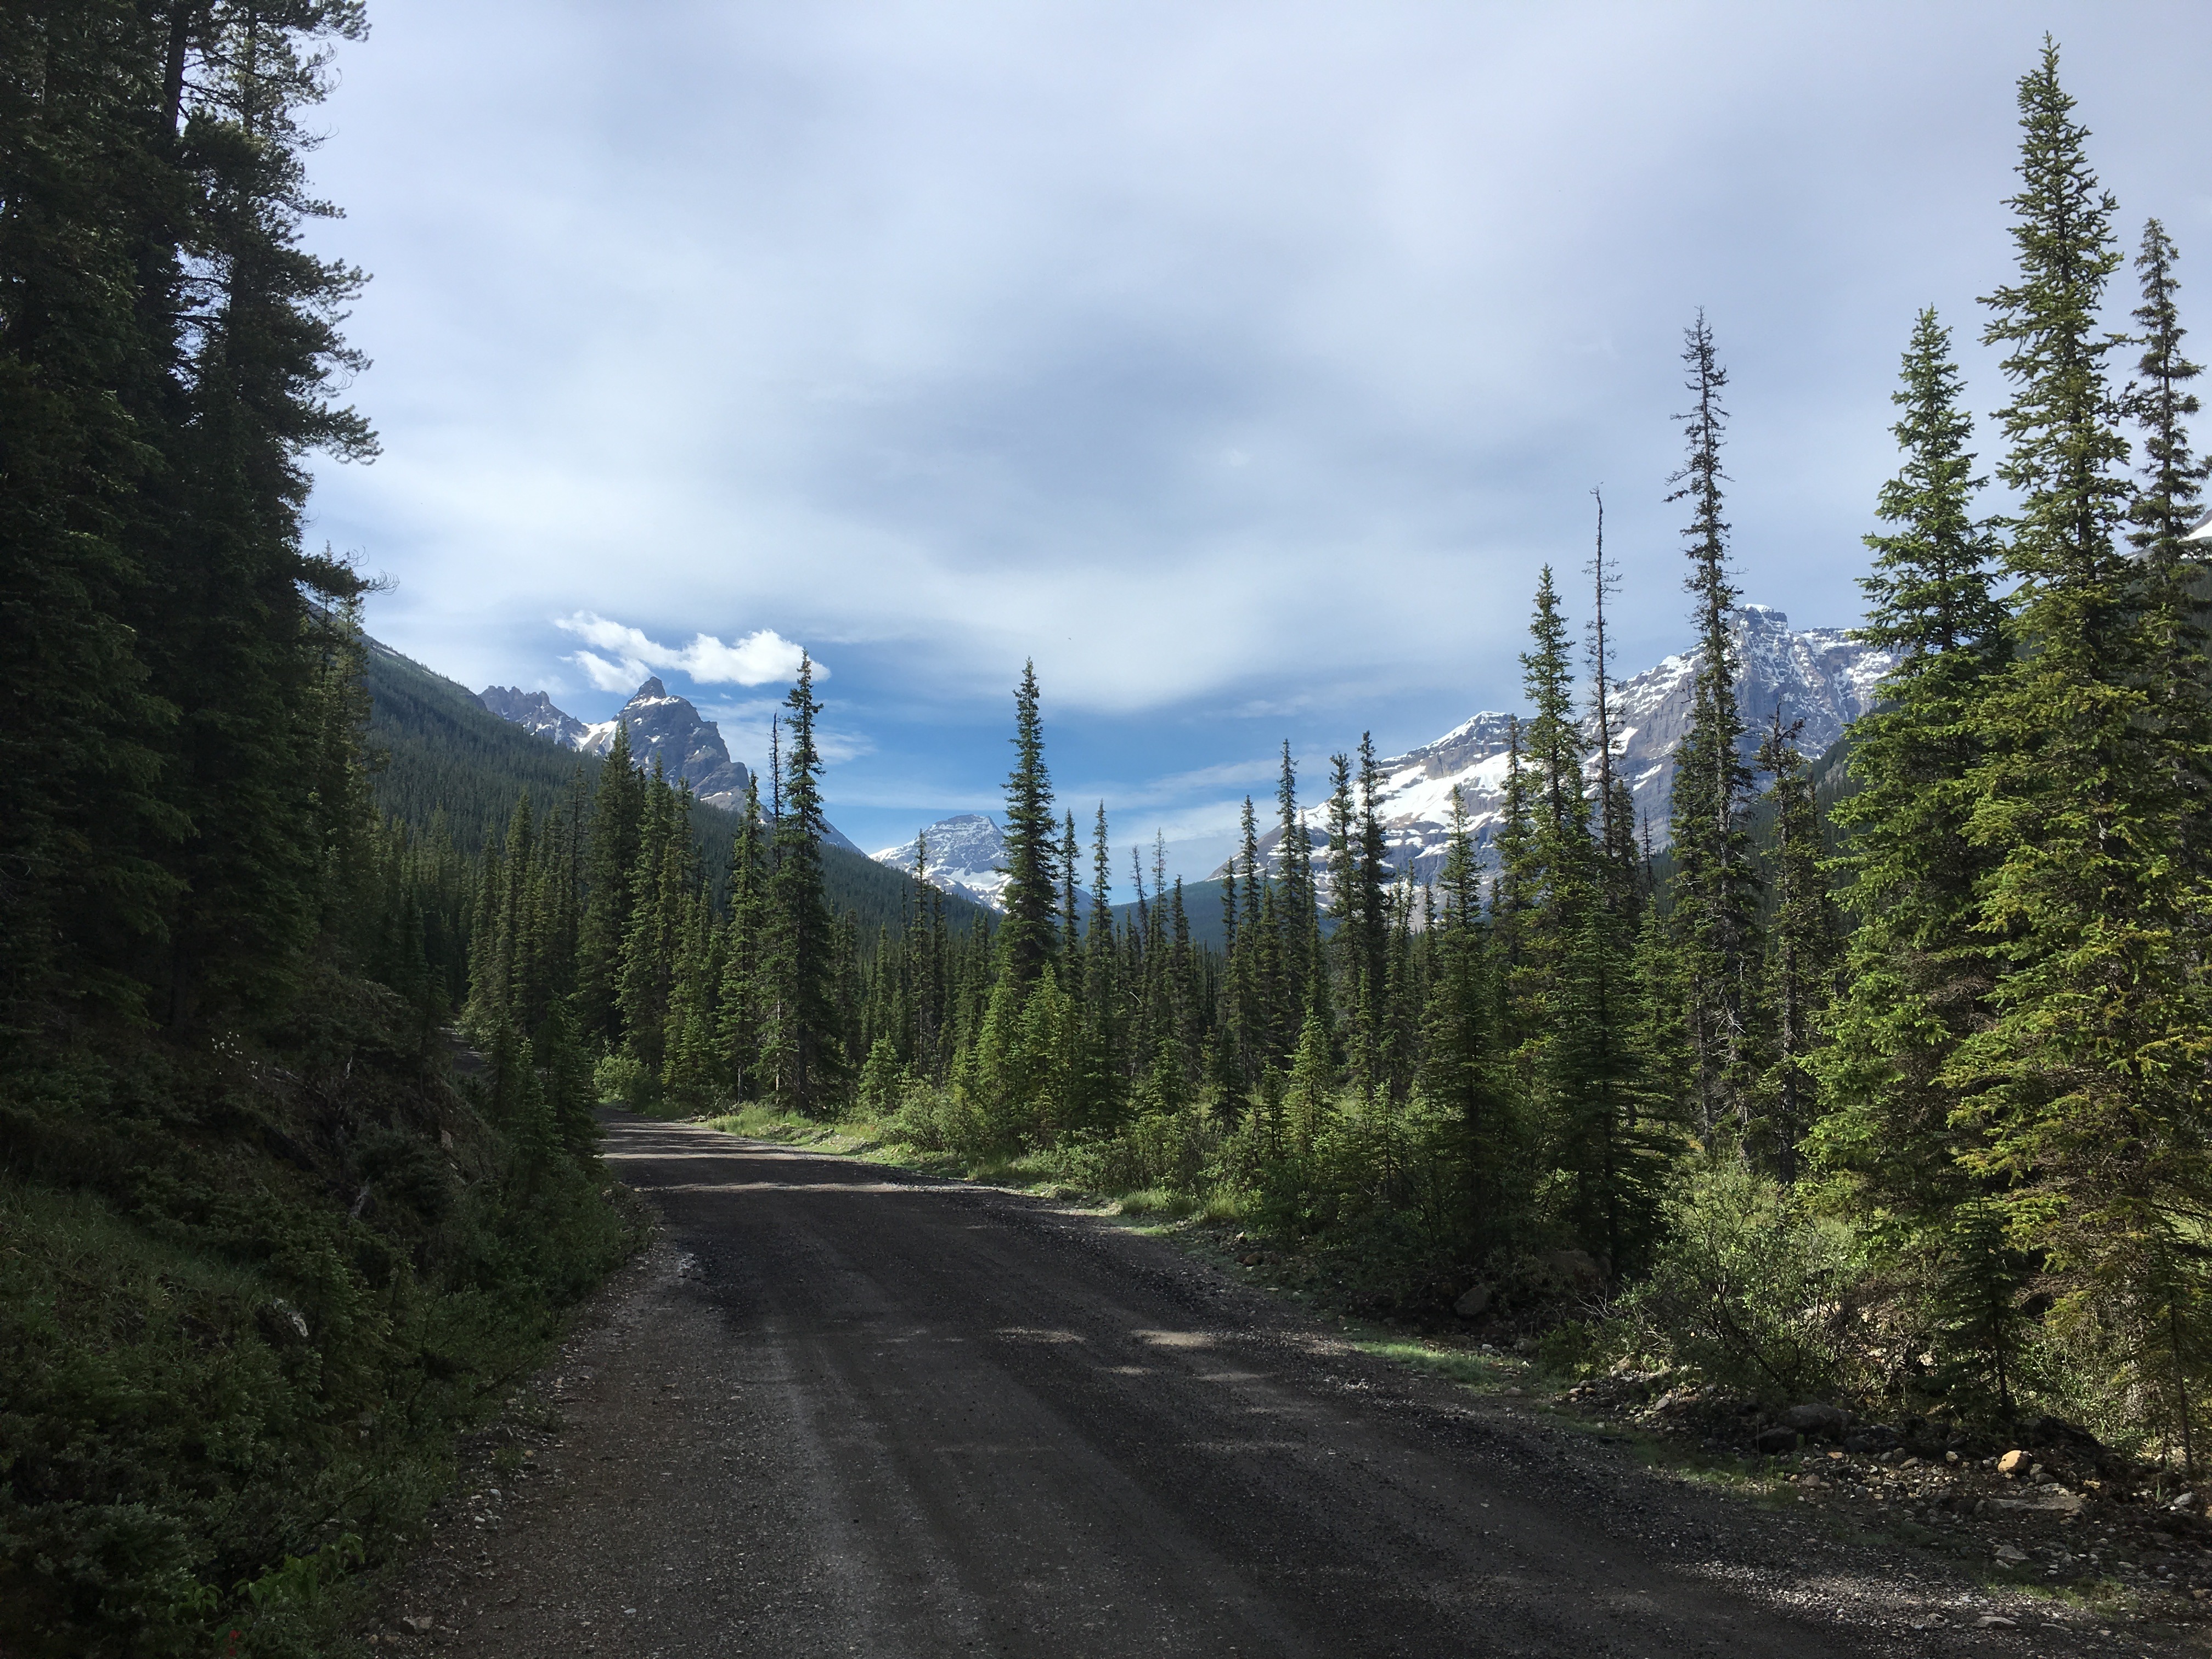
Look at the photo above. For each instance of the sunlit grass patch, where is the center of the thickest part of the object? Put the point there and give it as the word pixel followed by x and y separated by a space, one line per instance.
pixel 1488 1373
pixel 763 1122
pixel 1165 1203
pixel 1225 1204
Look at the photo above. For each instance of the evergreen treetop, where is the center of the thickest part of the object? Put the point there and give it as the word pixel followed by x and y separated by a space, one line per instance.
pixel 1030 896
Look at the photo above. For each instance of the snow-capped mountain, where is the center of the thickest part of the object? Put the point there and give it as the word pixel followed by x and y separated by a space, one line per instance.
pixel 534 711
pixel 660 724
pixel 964 852
pixel 1819 675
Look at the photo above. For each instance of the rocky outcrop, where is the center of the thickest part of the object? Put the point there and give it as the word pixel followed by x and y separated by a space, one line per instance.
pixel 534 711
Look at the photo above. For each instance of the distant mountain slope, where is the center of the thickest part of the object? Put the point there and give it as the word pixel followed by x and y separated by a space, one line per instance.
pixel 1819 675
pixel 964 853
pixel 444 750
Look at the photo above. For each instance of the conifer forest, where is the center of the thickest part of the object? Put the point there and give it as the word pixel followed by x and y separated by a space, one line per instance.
pixel 1877 1077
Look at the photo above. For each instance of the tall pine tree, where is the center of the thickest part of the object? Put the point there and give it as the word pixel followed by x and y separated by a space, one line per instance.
pixel 1715 887
pixel 1031 895
pixel 2088 1084
pixel 1917 980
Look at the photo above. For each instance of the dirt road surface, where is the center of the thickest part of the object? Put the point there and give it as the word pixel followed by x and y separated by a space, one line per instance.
pixel 839 1410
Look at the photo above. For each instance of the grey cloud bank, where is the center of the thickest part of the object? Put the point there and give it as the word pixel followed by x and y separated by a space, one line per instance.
pixel 1225 357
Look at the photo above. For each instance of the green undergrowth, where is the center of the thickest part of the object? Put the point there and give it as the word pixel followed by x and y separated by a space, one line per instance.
pixel 251 1293
pixel 760 1122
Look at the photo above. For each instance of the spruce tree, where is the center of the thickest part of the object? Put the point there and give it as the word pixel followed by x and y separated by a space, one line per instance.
pixel 1512 899
pixel 660 882
pixel 569 1096
pixel 1101 992
pixel 1366 932
pixel 1917 980
pixel 1030 895
pixel 690 1074
pixel 256 360
pixel 1455 1049
pixel 737 1027
pixel 805 1034
pixel 2166 504
pixel 1800 953
pixel 1560 863
pixel 1620 887
pixel 1715 885
pixel 88 831
pixel 2087 1086
pixel 610 859
pixel 2159 404
pixel 1071 933
pixel 1303 964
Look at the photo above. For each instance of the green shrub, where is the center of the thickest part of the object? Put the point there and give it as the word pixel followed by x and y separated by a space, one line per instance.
pixel 1173 1150
pixel 932 1119
pixel 625 1081
pixel 1753 1290
pixel 247 1300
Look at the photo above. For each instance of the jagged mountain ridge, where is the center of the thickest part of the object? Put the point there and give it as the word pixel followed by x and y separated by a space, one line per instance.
pixel 1819 675
pixel 534 711
pixel 660 724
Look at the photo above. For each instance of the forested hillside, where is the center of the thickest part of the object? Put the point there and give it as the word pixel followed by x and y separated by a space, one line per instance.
pixel 445 766
pixel 262 1255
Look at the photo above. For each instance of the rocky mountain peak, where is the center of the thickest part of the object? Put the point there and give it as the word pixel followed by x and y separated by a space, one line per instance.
pixel 534 711
pixel 1819 675
pixel 660 725
pixel 964 853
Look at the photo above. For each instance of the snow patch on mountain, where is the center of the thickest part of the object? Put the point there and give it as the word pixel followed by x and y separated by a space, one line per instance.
pixel 1819 675
pixel 963 854
pixel 534 711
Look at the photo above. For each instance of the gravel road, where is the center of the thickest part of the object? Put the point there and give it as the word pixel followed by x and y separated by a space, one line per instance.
pixel 842 1410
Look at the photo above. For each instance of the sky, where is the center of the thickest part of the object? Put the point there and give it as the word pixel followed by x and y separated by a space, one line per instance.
pixel 1241 364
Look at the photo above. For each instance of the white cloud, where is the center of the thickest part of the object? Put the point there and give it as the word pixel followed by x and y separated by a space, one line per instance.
pixel 760 657
pixel 608 676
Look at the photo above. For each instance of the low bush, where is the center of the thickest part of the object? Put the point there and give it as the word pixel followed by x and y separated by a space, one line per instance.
pixel 624 1080
pixel 1752 1288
